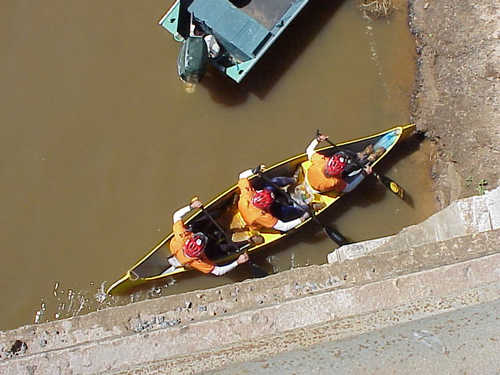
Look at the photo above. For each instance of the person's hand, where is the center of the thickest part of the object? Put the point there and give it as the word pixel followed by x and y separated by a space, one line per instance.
pixel 242 258
pixel 305 216
pixel 368 169
pixel 258 168
pixel 195 204
pixel 321 137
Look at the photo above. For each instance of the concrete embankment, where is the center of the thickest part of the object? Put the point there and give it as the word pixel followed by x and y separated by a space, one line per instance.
pixel 382 286
pixel 446 343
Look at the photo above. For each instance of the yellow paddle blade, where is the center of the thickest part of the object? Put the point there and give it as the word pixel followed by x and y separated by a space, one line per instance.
pixel 391 185
pixel 396 189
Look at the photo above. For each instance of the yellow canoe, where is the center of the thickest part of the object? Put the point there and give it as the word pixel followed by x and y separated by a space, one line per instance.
pixel 223 208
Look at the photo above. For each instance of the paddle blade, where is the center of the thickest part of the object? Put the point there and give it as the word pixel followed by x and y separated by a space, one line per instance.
pixel 396 189
pixel 391 185
pixel 335 236
pixel 257 271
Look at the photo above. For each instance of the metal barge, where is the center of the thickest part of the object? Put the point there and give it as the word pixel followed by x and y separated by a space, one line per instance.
pixel 238 33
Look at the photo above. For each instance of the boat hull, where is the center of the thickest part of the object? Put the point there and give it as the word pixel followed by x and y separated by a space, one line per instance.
pixel 223 207
pixel 245 32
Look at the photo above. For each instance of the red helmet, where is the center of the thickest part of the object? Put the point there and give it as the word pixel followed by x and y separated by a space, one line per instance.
pixel 195 245
pixel 336 164
pixel 263 199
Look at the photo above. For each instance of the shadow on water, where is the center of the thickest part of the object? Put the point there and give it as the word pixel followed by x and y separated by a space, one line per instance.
pixel 276 61
pixel 410 146
pixel 224 90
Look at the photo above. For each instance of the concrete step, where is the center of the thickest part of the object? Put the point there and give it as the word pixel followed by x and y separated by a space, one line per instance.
pixel 461 338
pixel 471 215
pixel 141 334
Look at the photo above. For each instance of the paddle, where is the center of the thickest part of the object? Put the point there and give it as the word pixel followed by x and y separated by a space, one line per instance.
pixel 390 184
pixel 257 271
pixel 330 232
pixel 394 188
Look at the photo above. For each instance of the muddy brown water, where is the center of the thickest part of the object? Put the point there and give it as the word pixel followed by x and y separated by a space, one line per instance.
pixel 100 143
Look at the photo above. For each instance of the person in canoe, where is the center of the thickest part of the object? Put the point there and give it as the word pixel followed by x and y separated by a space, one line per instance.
pixel 341 172
pixel 188 248
pixel 260 209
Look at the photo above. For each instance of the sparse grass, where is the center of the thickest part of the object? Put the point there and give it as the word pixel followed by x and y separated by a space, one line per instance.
pixel 480 186
pixel 377 8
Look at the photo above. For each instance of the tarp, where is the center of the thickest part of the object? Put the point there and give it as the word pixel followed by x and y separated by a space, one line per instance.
pixel 231 24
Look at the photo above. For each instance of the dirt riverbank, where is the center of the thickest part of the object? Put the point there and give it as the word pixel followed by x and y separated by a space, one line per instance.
pixel 455 100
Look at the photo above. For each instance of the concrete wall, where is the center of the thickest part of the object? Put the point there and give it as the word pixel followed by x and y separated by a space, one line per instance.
pixel 260 317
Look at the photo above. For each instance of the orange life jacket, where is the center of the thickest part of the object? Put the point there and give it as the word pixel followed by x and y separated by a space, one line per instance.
pixel 254 217
pixel 316 177
pixel 181 235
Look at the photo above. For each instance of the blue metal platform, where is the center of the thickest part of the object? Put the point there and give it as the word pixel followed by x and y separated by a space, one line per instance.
pixel 245 32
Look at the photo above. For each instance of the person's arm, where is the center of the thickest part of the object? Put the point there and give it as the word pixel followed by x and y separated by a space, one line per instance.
pixel 285 226
pixel 221 270
pixel 354 180
pixel 180 213
pixel 351 170
pixel 246 174
pixel 252 171
pixel 310 149
pixel 352 183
